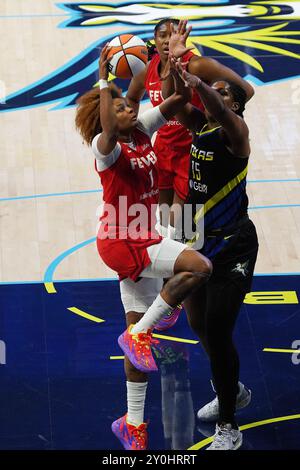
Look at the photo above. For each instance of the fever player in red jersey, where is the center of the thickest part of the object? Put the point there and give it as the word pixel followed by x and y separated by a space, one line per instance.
pixel 173 141
pixel 130 245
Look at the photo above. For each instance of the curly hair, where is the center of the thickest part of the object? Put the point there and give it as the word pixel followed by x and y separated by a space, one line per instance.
pixel 87 120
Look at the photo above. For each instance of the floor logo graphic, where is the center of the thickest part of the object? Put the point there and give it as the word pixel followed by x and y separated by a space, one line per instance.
pixel 260 40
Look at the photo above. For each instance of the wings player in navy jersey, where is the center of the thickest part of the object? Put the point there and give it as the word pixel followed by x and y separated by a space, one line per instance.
pixel 217 180
pixel 130 245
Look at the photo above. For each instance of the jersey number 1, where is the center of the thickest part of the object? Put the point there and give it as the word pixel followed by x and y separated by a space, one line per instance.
pixel 151 178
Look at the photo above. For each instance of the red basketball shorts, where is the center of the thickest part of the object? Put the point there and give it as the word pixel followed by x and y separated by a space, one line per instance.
pixel 173 167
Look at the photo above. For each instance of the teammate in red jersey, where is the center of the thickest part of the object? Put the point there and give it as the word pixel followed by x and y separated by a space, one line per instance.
pixel 173 141
pixel 126 164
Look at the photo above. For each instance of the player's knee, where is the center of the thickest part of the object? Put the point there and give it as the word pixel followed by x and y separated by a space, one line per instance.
pixel 193 279
pixel 202 265
pixel 194 262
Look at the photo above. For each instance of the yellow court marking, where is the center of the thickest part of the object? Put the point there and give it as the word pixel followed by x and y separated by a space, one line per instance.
pixel 255 424
pixel 290 351
pixel 50 288
pixel 173 338
pixel 113 358
pixel 85 315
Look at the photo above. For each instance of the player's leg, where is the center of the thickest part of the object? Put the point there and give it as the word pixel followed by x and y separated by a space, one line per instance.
pixel 131 428
pixel 186 269
pixel 225 295
pixel 194 304
pixel 224 300
pixel 195 307
pixel 221 302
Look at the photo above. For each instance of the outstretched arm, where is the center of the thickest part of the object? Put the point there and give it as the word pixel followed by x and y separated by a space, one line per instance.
pixel 108 138
pixel 179 98
pixel 188 115
pixel 235 128
pixel 210 70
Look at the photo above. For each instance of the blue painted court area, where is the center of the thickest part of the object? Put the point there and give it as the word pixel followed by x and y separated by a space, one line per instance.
pixel 60 389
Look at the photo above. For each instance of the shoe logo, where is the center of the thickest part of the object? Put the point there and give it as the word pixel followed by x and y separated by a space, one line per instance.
pixel 152 83
pixel 241 268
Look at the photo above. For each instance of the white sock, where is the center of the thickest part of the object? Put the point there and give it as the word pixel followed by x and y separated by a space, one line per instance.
pixel 155 312
pixel 136 395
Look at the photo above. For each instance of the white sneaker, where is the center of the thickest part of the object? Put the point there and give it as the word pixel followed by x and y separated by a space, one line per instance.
pixel 210 411
pixel 226 438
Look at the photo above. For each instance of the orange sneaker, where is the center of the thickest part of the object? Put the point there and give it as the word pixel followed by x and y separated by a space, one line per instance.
pixel 131 437
pixel 137 347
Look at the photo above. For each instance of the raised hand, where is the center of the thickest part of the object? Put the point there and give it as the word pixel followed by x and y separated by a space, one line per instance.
pixel 103 63
pixel 190 80
pixel 177 41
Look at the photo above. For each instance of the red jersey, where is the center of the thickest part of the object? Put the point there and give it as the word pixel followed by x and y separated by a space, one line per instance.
pixel 132 179
pixel 129 178
pixel 173 133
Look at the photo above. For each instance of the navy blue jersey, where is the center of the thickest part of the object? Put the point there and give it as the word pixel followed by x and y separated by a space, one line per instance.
pixel 217 180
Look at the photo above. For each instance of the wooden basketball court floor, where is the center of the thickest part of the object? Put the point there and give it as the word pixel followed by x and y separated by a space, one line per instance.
pixel 61 374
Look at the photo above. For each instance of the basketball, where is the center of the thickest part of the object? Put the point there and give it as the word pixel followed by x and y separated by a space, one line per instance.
pixel 128 55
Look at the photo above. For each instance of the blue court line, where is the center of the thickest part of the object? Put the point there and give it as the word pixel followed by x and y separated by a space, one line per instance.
pixel 105 279
pixel 288 180
pixel 16 198
pixel 274 206
pixel 33 15
pixel 250 208
pixel 96 279
pixel 48 276
pixel 277 274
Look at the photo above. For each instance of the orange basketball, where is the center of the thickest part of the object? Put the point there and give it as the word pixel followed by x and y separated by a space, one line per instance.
pixel 128 55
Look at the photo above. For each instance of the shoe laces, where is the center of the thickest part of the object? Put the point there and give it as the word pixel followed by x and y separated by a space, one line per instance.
pixel 144 342
pixel 221 435
pixel 223 430
pixel 139 434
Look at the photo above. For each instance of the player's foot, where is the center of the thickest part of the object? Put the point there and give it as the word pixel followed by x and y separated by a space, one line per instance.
pixel 226 438
pixel 131 437
pixel 137 347
pixel 210 411
pixel 169 319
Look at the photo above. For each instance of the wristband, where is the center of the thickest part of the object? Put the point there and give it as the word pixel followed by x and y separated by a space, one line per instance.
pixel 103 84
